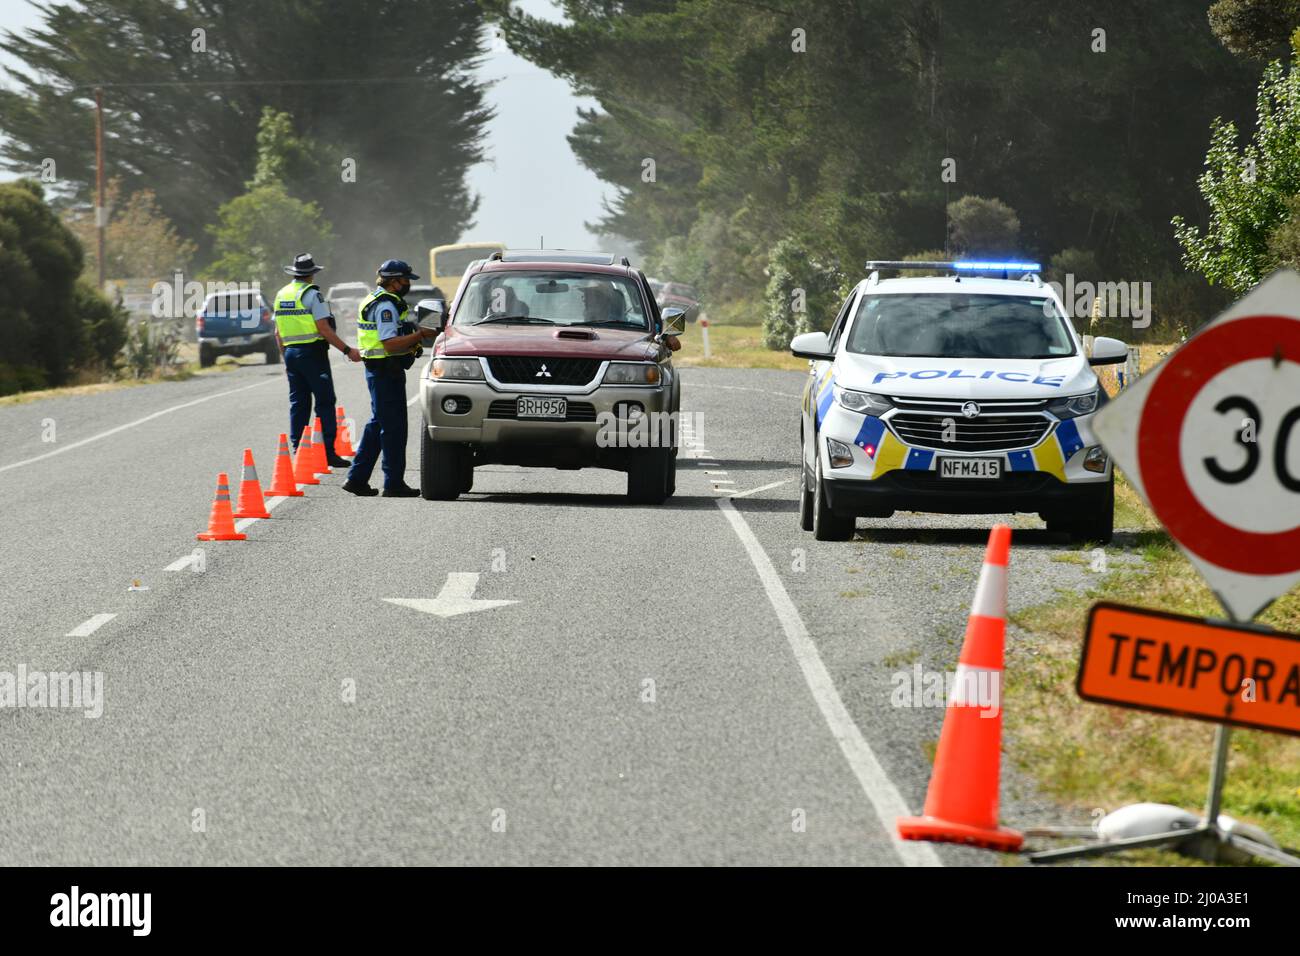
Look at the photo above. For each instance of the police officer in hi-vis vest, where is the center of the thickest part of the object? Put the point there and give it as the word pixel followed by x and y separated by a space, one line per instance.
pixel 389 344
pixel 304 328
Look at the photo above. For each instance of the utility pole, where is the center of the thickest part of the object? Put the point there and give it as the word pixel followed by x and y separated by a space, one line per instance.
pixel 101 214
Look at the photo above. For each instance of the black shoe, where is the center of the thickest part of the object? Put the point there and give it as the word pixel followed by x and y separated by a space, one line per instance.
pixel 359 489
pixel 402 491
pixel 336 462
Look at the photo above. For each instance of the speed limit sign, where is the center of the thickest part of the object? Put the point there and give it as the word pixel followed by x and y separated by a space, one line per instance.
pixel 1211 440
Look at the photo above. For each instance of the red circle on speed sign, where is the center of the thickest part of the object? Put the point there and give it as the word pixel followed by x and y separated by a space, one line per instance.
pixel 1160 444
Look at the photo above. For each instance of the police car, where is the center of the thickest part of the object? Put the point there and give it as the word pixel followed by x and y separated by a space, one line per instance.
pixel 967 392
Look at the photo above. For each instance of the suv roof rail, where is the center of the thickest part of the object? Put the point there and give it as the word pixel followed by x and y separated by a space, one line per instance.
pixel 560 255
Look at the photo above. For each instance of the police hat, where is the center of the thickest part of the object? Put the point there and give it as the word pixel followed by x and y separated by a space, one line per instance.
pixel 303 265
pixel 396 269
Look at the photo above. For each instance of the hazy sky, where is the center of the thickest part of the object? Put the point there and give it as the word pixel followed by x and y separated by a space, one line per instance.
pixel 531 185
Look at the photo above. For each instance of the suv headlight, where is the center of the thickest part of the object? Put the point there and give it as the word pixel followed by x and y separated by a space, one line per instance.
pixel 867 403
pixel 631 373
pixel 1074 406
pixel 455 369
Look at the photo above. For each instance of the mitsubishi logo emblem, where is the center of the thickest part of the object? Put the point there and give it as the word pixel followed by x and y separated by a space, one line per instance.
pixel 970 410
pixel 542 372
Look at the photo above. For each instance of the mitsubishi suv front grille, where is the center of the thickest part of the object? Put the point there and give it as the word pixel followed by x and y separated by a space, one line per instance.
pixel 536 370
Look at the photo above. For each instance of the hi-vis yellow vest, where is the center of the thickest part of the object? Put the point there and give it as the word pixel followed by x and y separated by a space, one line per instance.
pixel 293 320
pixel 368 342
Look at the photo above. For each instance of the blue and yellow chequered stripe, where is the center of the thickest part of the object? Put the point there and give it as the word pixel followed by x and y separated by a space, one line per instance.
pixel 825 393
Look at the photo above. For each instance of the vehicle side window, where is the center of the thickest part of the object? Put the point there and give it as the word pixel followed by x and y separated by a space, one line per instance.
pixel 837 327
pixel 655 317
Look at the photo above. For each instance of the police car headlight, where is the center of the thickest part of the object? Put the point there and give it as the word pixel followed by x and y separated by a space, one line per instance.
pixel 866 403
pixel 629 373
pixel 455 369
pixel 1074 406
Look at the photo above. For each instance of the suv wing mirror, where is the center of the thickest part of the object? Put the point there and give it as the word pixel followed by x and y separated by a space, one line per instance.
pixel 812 345
pixel 1107 351
pixel 432 313
pixel 674 321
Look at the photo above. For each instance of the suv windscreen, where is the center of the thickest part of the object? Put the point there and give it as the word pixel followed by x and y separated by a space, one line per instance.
pixel 554 298
pixel 959 325
pixel 228 303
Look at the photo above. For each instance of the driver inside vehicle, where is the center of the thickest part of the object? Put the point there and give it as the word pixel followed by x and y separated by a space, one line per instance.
pixel 600 303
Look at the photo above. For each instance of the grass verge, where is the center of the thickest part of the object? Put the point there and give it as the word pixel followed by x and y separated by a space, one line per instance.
pixel 1095 756
pixel 733 346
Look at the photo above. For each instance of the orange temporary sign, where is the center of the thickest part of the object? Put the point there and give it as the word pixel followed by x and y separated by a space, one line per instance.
pixel 1173 664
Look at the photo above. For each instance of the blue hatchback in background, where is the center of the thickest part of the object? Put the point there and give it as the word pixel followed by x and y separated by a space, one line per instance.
pixel 236 323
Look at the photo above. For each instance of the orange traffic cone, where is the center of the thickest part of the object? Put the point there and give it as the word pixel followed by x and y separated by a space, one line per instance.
pixel 221 523
pixel 282 483
pixel 251 504
pixel 319 461
pixel 343 443
pixel 961 805
pixel 304 463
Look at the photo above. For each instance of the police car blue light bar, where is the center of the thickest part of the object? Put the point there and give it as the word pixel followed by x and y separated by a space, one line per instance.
pixel 998 266
pixel 1023 267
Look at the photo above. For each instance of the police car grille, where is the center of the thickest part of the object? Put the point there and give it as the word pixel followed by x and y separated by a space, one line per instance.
pixel 527 369
pixel 985 433
pixel 948 406
pixel 574 411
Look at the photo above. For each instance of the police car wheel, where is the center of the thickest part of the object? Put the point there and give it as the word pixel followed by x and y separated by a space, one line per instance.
pixel 1096 522
pixel 272 353
pixel 805 501
pixel 207 356
pixel 467 472
pixel 441 467
pixel 828 526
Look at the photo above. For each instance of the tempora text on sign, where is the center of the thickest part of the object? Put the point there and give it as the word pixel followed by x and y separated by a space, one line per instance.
pixel 1173 664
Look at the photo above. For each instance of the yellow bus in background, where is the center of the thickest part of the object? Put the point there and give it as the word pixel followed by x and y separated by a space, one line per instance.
pixel 448 263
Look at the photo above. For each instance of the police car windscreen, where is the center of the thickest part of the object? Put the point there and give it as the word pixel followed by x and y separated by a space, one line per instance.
pixel 959 325
pixel 557 298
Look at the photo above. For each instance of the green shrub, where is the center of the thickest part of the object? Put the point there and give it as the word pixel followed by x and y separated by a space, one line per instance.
pixel 803 293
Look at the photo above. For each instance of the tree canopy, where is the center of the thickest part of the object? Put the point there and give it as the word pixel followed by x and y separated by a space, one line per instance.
pixel 850 125
pixel 382 91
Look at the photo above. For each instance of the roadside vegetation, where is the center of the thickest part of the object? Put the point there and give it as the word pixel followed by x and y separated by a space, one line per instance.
pixel 763 152
pixel 1096 756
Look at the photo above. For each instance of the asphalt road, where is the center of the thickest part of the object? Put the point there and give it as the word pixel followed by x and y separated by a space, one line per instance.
pixel 698 683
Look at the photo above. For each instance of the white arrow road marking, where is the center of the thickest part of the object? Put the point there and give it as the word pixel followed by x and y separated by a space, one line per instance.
pixel 87 628
pixel 456 597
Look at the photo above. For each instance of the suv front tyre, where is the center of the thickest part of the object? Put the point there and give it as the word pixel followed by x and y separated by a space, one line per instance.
pixel 442 468
pixel 826 525
pixel 651 476
pixel 1093 522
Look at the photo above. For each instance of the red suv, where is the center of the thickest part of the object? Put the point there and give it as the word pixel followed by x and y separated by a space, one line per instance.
pixel 553 360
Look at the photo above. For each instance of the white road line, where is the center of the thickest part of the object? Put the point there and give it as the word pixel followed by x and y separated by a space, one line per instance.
pixel 180 564
pixel 880 790
pixel 87 628
pixel 121 428
pixel 243 523
pixel 754 491
pixel 413 399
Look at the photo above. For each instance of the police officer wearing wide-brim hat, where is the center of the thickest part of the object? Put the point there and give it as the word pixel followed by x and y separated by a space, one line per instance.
pixel 389 344
pixel 305 330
